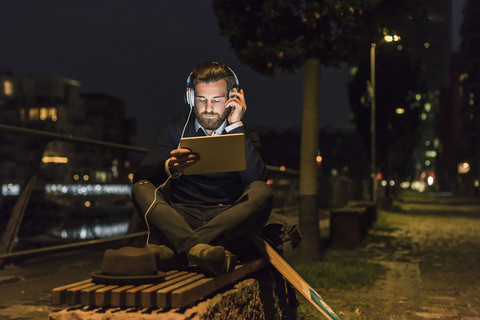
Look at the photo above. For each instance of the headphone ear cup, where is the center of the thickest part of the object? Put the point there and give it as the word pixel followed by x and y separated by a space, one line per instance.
pixel 191 97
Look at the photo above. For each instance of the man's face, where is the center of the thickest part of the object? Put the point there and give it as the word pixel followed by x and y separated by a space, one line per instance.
pixel 210 99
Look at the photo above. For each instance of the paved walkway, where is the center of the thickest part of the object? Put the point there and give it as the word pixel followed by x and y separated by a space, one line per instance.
pixel 430 245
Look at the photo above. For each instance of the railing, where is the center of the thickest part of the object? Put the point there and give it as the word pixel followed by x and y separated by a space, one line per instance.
pixel 288 186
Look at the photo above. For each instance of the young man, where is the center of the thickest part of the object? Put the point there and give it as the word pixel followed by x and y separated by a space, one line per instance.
pixel 208 217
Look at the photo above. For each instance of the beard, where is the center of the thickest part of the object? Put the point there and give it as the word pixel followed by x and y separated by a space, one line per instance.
pixel 211 123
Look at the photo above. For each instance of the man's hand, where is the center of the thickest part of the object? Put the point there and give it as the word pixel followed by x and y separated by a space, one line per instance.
pixel 180 159
pixel 238 106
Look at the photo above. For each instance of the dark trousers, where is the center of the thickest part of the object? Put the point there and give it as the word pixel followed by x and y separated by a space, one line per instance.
pixel 182 226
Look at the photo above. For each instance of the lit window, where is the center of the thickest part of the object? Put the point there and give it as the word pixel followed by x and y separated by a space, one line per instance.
pixel 43 114
pixel 52 113
pixel 33 114
pixel 8 88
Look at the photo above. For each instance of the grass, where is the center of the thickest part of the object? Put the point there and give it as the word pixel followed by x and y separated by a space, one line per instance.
pixel 336 274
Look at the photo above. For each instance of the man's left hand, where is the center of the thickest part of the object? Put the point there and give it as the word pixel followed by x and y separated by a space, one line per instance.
pixel 237 105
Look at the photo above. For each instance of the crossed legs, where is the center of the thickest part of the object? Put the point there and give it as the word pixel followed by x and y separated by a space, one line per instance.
pixel 234 228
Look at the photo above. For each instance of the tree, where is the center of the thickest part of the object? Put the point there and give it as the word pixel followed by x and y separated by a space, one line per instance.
pixel 286 35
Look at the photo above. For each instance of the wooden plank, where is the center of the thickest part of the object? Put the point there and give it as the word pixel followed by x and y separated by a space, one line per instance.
pixel 73 294
pixel 188 294
pixel 295 279
pixel 102 296
pixel 164 295
pixel 119 296
pixel 59 294
pixel 133 295
pixel 87 295
pixel 149 295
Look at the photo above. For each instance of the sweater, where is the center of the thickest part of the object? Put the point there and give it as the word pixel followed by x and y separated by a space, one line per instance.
pixel 202 189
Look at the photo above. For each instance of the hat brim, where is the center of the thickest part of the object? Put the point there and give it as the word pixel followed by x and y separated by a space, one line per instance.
pixel 102 278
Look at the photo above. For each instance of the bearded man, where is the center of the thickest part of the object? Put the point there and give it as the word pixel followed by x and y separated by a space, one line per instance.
pixel 206 219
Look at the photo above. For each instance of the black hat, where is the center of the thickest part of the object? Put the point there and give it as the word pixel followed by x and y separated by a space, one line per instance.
pixel 128 265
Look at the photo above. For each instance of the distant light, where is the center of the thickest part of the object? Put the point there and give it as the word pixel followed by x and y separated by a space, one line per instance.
pixel 53 159
pixel 427 162
pixel 426 45
pixel 76 177
pixel 384 183
pixel 476 183
pixel 391 183
pixel 130 177
pixel 319 160
pixel 399 47
pixel 430 153
pixel 88 189
pixel 391 38
pixel 405 184
pixel 400 110
pixel 87 204
pixel 418 97
pixel 86 177
pixel 283 168
pixel 423 116
pixel 463 168
pixel 430 181
pixel 428 107
pixel 10 189
pixel 270 182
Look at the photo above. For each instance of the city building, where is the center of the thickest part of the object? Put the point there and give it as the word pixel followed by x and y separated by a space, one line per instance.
pixel 55 104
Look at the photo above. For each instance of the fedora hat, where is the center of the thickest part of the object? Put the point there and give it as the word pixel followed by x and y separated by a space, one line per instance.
pixel 128 265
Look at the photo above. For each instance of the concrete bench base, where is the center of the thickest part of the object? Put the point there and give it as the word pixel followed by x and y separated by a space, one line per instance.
pixel 348 226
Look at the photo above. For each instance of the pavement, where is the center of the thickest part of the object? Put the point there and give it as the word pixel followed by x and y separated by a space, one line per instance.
pixel 428 243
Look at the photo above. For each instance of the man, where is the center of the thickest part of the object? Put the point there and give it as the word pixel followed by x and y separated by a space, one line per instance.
pixel 208 217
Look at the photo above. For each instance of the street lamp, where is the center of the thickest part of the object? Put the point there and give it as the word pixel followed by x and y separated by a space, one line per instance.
pixel 371 89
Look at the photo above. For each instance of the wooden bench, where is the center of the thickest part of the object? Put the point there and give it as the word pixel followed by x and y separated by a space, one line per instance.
pixel 348 226
pixel 180 288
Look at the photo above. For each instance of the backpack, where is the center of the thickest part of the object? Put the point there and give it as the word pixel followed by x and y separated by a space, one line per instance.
pixel 282 236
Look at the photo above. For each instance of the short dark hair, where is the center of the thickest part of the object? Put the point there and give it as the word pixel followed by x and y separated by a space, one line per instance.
pixel 210 72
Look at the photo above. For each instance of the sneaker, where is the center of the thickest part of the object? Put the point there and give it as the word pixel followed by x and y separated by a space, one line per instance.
pixel 210 259
pixel 165 257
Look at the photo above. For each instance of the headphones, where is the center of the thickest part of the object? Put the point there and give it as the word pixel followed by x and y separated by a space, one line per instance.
pixel 190 91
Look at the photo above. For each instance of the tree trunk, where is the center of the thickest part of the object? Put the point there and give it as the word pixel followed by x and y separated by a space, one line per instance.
pixel 308 209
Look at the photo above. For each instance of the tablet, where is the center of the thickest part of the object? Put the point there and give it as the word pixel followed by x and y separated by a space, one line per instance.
pixel 222 153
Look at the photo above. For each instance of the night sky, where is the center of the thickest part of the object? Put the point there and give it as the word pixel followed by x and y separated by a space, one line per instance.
pixel 143 51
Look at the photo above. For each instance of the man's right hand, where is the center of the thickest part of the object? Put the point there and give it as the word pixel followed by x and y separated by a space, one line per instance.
pixel 180 159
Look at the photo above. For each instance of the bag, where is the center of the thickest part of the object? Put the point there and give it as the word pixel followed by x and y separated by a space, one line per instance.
pixel 282 236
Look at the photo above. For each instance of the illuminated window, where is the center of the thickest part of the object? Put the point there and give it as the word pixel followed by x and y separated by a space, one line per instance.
pixel 8 88
pixel 33 114
pixel 54 159
pixel 52 114
pixel 43 114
